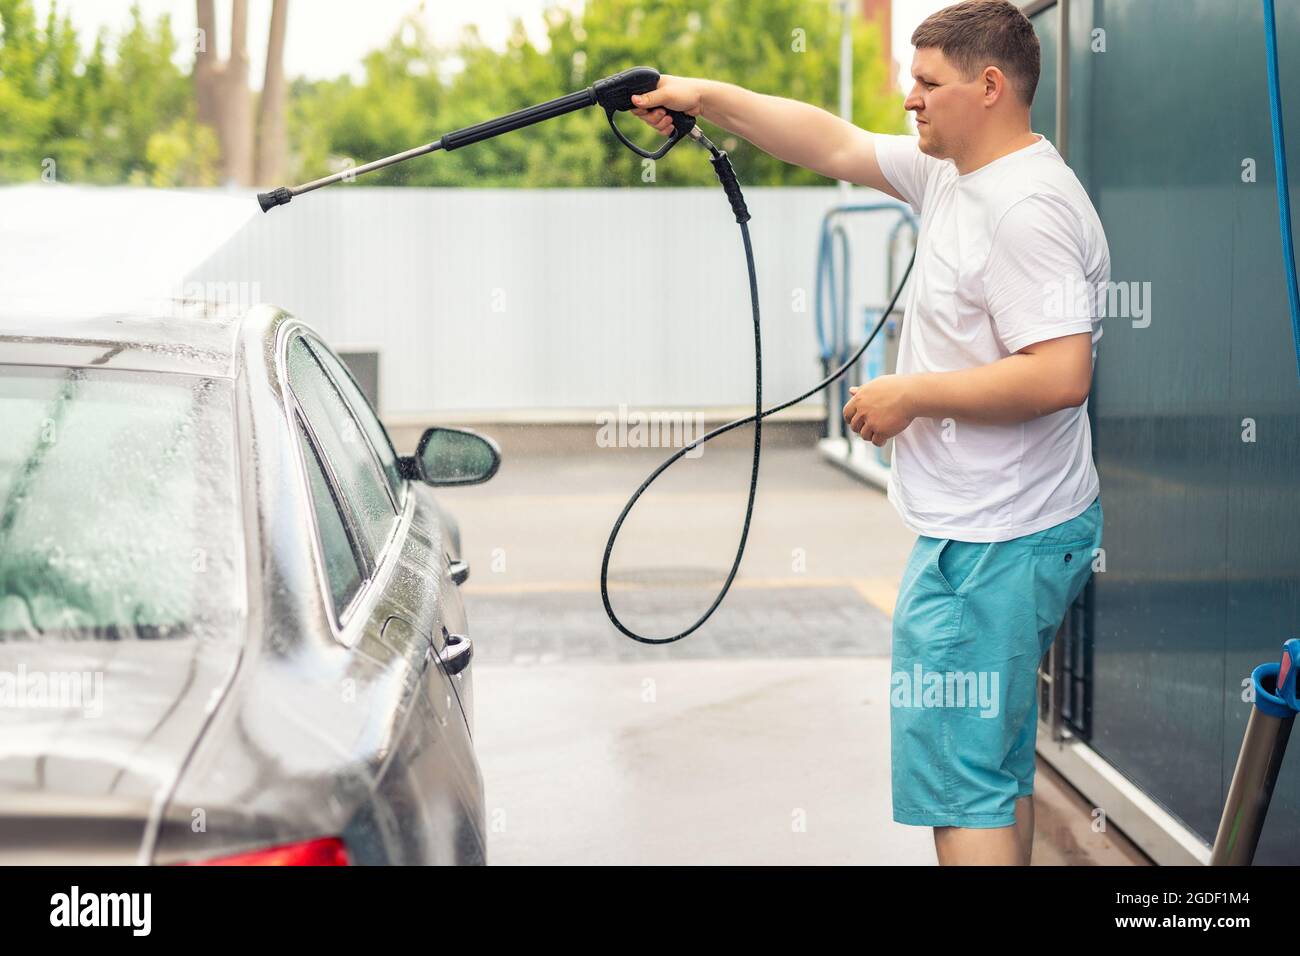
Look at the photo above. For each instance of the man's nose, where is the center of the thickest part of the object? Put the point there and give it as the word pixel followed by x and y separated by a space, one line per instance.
pixel 913 101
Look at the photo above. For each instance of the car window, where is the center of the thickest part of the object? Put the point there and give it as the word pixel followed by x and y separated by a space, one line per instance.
pixel 119 512
pixel 344 450
pixel 365 414
pixel 341 567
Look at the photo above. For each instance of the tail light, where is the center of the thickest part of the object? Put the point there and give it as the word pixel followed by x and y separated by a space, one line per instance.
pixel 326 851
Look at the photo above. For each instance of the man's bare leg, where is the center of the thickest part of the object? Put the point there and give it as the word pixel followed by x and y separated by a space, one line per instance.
pixel 991 846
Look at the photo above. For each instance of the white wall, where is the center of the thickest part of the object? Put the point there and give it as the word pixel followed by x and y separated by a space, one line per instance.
pixel 553 299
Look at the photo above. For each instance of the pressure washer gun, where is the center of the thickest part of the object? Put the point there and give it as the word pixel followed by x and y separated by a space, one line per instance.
pixel 613 94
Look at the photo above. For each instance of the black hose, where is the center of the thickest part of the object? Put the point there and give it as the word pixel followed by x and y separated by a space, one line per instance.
pixel 728 179
pixel 614 93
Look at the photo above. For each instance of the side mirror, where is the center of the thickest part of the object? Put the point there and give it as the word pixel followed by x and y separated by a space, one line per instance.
pixel 453 456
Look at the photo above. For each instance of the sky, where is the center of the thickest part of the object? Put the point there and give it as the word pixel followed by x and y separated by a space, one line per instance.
pixel 329 37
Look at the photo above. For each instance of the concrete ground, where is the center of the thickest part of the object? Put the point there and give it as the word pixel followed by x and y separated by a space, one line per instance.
pixel 762 738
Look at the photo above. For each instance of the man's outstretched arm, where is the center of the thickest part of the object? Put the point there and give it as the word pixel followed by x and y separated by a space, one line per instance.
pixel 793 132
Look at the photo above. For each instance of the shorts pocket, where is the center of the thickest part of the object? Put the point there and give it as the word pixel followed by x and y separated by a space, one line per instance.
pixel 956 562
pixel 1062 547
pixel 1060 572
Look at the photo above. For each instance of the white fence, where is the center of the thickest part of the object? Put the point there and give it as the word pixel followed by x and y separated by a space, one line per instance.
pixel 553 299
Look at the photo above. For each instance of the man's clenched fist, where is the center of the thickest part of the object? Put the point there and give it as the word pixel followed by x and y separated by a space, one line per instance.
pixel 880 409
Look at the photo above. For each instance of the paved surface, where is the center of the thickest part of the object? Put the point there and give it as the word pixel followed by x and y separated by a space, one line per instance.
pixel 761 738
pixel 700 762
pixel 548 627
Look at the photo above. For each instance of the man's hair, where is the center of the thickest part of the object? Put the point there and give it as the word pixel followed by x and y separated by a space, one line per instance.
pixel 979 33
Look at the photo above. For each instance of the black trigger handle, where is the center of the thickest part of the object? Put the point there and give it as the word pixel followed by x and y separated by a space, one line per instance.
pixel 614 94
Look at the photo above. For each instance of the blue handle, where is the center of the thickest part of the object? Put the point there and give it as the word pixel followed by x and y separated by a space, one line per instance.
pixel 1281 701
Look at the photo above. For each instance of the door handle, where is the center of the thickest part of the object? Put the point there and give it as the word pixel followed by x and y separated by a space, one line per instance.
pixel 456 653
pixel 459 571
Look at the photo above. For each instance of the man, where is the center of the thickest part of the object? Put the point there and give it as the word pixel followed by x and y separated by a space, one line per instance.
pixel 992 464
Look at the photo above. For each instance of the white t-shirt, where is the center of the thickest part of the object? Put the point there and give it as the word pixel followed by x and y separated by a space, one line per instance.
pixel 1007 255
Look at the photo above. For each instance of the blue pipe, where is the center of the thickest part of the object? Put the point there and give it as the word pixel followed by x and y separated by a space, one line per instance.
pixel 903 221
pixel 840 338
pixel 826 275
pixel 1283 188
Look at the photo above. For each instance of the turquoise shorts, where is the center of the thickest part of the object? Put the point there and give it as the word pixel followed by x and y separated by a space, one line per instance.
pixel 971 624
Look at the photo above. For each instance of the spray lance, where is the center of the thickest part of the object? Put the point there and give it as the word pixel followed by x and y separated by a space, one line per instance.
pixel 614 94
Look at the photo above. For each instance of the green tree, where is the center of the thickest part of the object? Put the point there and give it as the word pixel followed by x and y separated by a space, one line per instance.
pixel 96 118
pixel 785 47
pixel 337 122
pixel 125 112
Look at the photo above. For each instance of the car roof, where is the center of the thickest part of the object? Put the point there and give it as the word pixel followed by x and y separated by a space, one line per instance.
pixel 195 338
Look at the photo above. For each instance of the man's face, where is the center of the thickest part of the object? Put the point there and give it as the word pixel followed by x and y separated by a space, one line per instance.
pixel 948 107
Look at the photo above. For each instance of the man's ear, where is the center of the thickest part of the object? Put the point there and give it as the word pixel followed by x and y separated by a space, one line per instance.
pixel 995 84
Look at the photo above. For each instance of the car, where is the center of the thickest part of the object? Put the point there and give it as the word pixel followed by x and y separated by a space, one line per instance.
pixel 231 628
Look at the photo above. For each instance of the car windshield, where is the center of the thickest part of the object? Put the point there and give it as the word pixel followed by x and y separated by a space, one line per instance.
pixel 118 505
